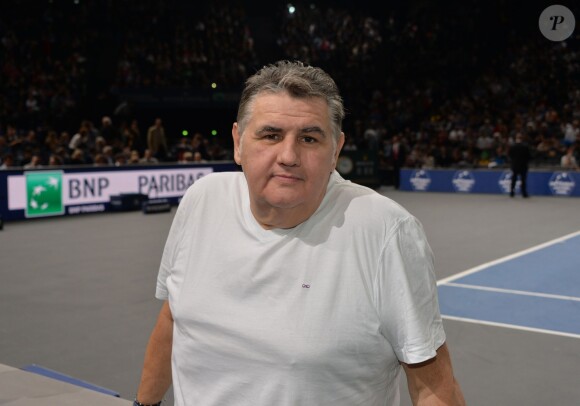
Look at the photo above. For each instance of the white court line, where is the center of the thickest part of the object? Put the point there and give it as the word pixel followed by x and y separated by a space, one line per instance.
pixel 512 326
pixel 514 292
pixel 506 258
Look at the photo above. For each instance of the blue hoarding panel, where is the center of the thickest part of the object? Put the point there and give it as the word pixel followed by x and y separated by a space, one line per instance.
pixel 557 183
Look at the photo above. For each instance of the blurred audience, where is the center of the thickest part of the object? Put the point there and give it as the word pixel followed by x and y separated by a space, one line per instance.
pixel 568 161
pixel 417 93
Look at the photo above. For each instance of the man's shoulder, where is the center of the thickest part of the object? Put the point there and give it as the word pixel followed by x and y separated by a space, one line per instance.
pixel 217 180
pixel 369 203
pixel 226 176
pixel 214 189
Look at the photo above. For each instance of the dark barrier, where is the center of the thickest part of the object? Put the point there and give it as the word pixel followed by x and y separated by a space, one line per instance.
pixel 540 183
pixel 360 167
pixel 70 191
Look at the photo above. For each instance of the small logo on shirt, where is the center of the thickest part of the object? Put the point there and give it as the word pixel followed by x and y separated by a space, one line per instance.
pixel 305 286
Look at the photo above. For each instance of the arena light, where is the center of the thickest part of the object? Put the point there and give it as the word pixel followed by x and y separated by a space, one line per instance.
pixel 291 8
pixel 185 133
pixel 214 85
pixel 214 132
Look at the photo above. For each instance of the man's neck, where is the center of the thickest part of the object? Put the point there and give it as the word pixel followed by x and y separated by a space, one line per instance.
pixel 270 217
pixel 273 218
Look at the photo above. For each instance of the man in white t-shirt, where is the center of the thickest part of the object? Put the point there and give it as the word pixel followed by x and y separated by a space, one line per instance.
pixel 285 284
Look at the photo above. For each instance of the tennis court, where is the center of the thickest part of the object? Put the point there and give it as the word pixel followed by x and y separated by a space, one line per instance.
pixel 77 294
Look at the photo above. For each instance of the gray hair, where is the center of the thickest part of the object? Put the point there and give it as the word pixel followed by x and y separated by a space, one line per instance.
pixel 299 81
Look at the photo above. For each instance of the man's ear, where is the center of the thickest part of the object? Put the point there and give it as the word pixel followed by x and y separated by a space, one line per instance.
pixel 237 143
pixel 339 144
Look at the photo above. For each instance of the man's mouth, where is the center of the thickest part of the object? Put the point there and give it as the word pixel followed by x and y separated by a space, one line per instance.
pixel 285 177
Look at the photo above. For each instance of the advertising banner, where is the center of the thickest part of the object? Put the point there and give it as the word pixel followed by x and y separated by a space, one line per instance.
pixel 360 167
pixel 558 183
pixel 43 193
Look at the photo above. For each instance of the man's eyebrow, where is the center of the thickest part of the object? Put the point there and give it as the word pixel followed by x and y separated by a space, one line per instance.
pixel 268 129
pixel 306 130
pixel 314 129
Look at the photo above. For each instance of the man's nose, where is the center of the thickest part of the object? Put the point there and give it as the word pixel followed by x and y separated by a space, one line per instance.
pixel 289 152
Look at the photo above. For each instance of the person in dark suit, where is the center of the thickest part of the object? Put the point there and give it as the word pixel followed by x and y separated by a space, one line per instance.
pixel 399 158
pixel 519 155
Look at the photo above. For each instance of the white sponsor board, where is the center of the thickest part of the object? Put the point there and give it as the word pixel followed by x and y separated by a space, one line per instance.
pixel 562 184
pixel 82 188
pixel 505 182
pixel 463 181
pixel 420 180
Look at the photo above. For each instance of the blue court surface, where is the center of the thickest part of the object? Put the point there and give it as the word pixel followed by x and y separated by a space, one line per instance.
pixel 537 290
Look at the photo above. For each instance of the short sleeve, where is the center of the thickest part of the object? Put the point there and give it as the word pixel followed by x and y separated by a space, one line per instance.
pixel 171 246
pixel 406 294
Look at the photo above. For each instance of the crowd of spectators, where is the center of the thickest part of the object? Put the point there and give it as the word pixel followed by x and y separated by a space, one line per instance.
pixel 181 44
pixel 440 98
pixel 422 88
pixel 536 95
pixel 105 145
pixel 43 71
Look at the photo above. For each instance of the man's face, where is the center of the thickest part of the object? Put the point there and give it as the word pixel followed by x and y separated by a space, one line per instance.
pixel 287 152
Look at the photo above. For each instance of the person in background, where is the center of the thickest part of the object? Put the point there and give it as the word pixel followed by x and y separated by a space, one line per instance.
pixel 35 162
pixel 110 133
pixel 157 141
pixel 55 160
pixel 199 144
pixel 148 158
pixel 80 140
pixel 134 157
pixel 100 160
pixel 4 147
pixel 285 284
pixel 186 158
pixel 120 159
pixel 197 157
pixel 568 160
pixel 399 156
pixel 109 154
pixel 7 161
pixel 77 157
pixel 15 144
pixel 133 137
pixel 519 155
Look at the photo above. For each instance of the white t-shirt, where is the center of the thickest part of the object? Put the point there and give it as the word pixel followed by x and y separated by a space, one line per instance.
pixel 319 314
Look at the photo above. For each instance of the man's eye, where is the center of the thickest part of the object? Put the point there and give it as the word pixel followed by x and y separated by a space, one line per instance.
pixel 310 140
pixel 272 137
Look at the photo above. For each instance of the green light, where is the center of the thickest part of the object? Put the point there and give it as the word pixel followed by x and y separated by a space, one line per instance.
pixel 185 133
pixel 213 132
pixel 214 85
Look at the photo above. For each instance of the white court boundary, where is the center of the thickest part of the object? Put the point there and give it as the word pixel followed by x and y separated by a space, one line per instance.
pixel 449 282
pixel 513 291
pixel 513 326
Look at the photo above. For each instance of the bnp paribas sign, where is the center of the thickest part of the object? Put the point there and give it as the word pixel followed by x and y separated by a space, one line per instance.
pixel 52 192
pixel 44 194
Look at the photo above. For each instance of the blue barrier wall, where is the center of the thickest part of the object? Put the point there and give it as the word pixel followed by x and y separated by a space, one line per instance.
pixel 69 191
pixel 540 183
